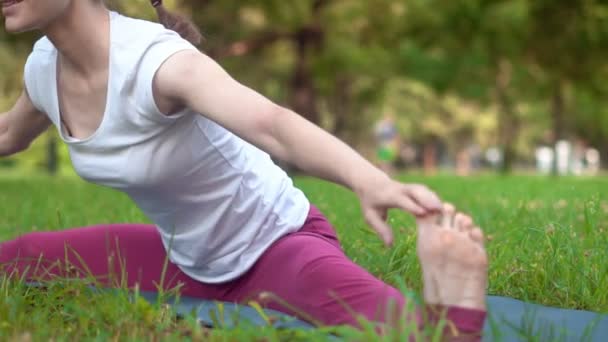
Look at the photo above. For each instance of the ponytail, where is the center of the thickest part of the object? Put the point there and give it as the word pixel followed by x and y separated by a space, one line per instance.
pixel 177 23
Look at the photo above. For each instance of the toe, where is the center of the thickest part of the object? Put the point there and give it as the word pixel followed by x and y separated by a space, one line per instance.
pixel 447 217
pixel 427 227
pixel 427 221
pixel 477 235
pixel 463 222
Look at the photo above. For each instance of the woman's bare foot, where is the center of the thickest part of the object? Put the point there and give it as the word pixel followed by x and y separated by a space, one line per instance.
pixel 454 261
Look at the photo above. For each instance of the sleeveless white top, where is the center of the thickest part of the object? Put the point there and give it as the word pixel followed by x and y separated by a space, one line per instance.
pixel 218 201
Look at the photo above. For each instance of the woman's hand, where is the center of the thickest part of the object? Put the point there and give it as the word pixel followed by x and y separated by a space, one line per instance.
pixel 20 126
pixel 382 194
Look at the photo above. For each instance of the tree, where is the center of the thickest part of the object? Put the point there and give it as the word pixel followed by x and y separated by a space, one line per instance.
pixel 567 44
pixel 471 48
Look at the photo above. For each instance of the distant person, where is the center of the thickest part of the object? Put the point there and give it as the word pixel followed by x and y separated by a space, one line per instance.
pixel 563 151
pixel 144 112
pixel 544 159
pixel 494 157
pixel 468 159
pixel 592 160
pixel 387 143
pixel 577 157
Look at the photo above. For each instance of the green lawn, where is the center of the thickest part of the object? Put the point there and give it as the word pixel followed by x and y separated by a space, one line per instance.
pixel 548 244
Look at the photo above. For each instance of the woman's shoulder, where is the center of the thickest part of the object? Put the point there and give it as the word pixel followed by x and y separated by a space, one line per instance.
pixel 41 51
pixel 127 32
pixel 40 57
pixel 131 33
pixel 137 41
pixel 43 45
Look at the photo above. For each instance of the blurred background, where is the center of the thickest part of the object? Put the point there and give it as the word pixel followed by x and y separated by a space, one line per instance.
pixel 463 86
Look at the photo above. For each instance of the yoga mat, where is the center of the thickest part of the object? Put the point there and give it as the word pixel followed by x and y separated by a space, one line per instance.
pixel 508 319
pixel 228 315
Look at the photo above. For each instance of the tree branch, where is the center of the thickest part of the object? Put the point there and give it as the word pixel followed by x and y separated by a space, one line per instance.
pixel 247 46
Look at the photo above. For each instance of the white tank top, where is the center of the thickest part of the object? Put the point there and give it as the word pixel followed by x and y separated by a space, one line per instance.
pixel 218 201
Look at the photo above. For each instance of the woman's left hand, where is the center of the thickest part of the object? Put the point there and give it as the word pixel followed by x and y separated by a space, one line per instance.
pixel 378 196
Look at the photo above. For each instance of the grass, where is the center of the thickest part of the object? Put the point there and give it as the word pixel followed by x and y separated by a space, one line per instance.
pixel 547 244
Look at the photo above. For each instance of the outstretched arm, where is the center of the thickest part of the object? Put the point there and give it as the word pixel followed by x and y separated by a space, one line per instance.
pixel 194 80
pixel 20 126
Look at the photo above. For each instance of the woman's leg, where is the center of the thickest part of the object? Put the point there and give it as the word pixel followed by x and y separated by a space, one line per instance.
pixel 114 255
pixel 308 270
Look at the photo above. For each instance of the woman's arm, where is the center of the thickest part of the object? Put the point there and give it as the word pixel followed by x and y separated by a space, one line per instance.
pixel 194 80
pixel 20 126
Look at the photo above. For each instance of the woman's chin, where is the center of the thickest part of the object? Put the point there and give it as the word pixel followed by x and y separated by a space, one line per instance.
pixel 10 28
pixel 12 25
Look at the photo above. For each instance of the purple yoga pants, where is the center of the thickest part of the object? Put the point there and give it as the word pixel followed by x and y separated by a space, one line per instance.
pixel 306 269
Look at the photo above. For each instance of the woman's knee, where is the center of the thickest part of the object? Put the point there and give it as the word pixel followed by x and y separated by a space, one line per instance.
pixel 343 293
pixel 330 287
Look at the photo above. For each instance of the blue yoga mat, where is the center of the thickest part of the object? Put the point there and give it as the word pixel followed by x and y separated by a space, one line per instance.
pixel 508 319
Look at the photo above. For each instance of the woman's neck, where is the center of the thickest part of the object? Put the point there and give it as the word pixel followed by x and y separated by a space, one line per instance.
pixel 82 37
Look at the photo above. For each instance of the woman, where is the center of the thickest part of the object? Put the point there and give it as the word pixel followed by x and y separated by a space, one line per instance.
pixel 146 113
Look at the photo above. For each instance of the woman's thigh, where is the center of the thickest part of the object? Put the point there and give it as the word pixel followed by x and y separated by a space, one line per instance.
pixel 309 271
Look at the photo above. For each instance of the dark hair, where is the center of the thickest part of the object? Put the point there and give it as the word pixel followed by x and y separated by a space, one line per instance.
pixel 177 23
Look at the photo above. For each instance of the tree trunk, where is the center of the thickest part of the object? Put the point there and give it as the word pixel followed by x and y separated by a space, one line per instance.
pixel 341 106
pixel 507 117
pixel 308 40
pixel 429 157
pixel 303 96
pixel 52 156
pixel 558 106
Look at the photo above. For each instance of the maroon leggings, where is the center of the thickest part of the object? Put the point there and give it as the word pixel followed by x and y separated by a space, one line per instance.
pixel 306 269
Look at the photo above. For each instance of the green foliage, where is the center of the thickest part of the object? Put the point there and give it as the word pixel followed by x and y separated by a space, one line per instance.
pixel 493 66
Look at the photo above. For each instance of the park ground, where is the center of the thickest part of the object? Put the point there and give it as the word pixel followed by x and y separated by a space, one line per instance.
pixel 547 241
